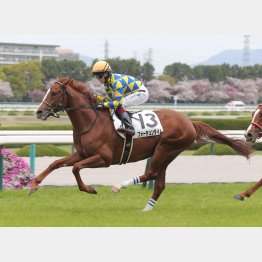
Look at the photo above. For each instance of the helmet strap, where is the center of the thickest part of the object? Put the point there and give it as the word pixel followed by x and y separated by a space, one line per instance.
pixel 106 77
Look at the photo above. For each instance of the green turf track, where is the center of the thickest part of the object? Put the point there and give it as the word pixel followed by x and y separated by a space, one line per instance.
pixel 181 205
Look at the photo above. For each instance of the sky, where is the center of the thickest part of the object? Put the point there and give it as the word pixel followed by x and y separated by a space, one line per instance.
pixel 188 30
pixel 160 50
pixel 173 31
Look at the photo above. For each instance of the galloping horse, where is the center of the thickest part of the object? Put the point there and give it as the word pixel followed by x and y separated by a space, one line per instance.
pixel 98 144
pixel 253 132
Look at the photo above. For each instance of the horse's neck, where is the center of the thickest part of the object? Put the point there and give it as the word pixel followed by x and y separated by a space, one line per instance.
pixel 81 118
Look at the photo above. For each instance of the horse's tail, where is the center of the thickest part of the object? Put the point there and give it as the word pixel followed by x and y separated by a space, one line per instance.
pixel 206 133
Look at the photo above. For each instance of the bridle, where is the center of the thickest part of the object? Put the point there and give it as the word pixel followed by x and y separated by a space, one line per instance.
pixel 60 108
pixel 259 126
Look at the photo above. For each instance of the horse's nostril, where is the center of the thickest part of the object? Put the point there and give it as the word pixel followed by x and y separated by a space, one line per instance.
pixel 39 112
pixel 249 135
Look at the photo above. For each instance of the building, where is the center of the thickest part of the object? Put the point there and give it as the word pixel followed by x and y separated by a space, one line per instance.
pixel 66 54
pixel 13 53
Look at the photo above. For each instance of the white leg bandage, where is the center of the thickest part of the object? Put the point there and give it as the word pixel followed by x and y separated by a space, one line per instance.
pixel 150 204
pixel 133 181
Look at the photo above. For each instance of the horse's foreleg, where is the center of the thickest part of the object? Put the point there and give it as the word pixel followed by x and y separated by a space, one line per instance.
pixel 65 161
pixel 247 193
pixel 91 162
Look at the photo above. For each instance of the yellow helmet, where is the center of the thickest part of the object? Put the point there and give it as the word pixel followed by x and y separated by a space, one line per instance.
pixel 101 67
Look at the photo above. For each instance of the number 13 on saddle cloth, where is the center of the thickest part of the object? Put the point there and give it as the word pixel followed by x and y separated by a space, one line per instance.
pixel 146 123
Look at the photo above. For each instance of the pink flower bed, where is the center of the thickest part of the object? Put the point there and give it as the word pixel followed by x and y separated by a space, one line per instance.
pixel 16 171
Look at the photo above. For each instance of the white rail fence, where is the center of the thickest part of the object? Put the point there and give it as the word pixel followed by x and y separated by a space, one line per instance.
pixel 62 137
pixel 36 137
pixel 65 137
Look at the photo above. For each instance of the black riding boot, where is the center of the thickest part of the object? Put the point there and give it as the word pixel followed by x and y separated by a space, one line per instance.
pixel 129 129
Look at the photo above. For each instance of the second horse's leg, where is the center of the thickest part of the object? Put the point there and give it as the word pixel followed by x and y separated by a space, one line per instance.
pixel 247 193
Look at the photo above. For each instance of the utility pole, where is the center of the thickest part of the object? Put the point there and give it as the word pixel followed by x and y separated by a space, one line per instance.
pixel 150 55
pixel 106 50
pixel 246 51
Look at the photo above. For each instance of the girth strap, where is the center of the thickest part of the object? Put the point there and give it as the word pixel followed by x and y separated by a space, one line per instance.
pixel 127 149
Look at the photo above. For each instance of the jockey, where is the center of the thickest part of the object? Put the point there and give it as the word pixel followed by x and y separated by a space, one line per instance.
pixel 121 91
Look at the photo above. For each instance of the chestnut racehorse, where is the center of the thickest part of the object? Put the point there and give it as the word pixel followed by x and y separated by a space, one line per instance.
pixel 253 132
pixel 98 144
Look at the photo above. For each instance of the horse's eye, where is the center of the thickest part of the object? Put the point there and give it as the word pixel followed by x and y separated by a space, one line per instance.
pixel 53 94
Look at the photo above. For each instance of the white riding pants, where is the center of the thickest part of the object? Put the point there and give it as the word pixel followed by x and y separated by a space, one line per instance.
pixel 137 98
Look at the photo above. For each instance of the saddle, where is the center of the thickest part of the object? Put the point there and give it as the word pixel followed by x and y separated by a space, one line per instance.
pixel 146 123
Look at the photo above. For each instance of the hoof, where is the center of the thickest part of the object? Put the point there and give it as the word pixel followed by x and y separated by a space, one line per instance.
pixel 93 191
pixel 146 209
pixel 32 190
pixel 116 188
pixel 239 197
pixel 90 190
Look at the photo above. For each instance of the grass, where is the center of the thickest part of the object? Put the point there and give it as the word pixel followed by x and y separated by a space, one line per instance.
pixel 180 205
pixel 10 121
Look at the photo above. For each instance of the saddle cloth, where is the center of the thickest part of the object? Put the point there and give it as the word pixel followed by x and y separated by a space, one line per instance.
pixel 145 122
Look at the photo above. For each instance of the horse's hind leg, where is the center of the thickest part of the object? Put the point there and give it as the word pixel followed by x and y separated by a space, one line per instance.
pixel 158 189
pixel 247 193
pixel 65 161
pixel 124 184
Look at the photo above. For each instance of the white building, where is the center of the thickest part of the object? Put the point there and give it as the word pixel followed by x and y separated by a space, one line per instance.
pixel 13 53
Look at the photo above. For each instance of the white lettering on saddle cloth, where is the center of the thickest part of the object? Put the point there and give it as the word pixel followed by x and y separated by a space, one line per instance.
pixel 146 123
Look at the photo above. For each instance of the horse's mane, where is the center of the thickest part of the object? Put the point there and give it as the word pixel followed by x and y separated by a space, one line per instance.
pixel 81 87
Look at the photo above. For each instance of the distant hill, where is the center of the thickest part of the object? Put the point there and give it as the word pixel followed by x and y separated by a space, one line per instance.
pixel 234 57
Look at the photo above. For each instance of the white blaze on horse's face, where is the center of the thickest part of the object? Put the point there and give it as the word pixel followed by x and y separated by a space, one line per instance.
pixel 48 91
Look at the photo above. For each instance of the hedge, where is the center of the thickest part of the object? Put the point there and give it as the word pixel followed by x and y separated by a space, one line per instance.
pixel 42 150
pixel 240 123
pixel 218 149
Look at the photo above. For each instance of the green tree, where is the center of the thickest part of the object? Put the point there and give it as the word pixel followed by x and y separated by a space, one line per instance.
pixel 74 69
pixel 171 80
pixel 24 77
pixel 147 71
pixel 2 74
pixel 214 73
pixel 257 71
pixel 66 68
pixel 179 71
pixel 50 68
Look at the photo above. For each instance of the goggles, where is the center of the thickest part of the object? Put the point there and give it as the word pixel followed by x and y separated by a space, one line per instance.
pixel 98 75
